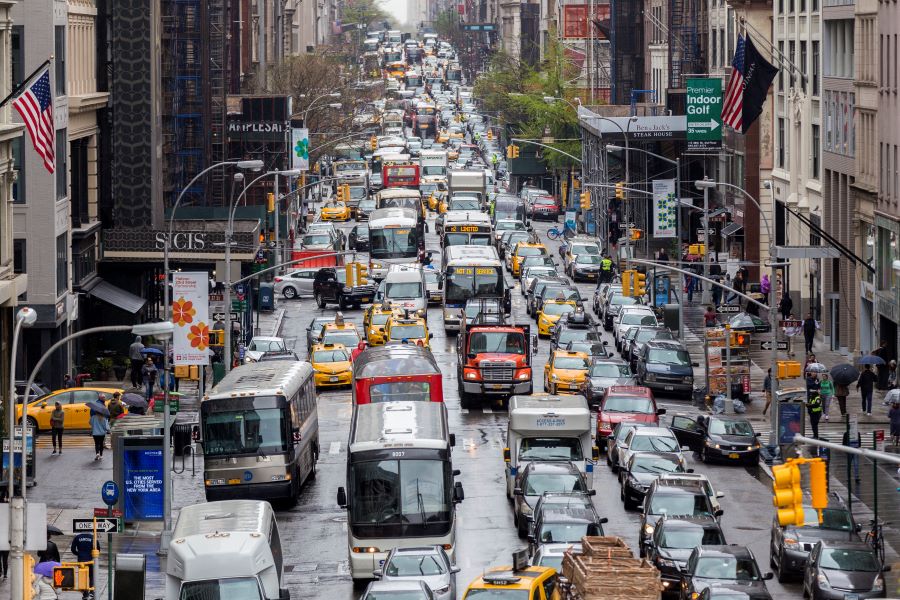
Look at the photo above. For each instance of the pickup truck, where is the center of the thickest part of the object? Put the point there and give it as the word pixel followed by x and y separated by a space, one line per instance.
pixel 330 287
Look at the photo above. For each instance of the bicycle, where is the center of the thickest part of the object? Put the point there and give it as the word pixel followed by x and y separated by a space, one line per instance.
pixel 875 537
pixel 554 234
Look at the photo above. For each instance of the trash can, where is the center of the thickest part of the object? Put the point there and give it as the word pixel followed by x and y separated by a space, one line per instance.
pixel 267 296
pixel 181 437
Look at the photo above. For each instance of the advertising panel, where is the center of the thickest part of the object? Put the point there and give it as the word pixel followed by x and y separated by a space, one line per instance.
pixel 143 484
pixel 190 315
pixel 664 208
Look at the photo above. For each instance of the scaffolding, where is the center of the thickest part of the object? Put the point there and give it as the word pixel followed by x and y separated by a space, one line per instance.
pixel 626 38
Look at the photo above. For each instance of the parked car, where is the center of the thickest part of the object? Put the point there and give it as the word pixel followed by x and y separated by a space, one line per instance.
pixel 296 284
pixel 722 438
pixel 710 566
pixel 428 564
pixel 665 366
pixel 330 287
pixel 837 570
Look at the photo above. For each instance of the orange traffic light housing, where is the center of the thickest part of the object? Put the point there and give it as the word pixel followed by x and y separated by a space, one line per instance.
pixel 620 190
pixel 788 495
pixel 585 200
pixel 639 284
pixel 627 275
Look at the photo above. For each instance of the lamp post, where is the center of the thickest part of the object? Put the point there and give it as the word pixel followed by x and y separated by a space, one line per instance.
pixel 316 99
pixel 705 185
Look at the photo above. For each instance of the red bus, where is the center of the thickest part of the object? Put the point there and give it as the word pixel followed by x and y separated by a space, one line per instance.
pixel 396 372
pixel 400 176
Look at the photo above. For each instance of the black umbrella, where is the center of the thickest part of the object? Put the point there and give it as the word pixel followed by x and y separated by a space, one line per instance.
pixel 54 530
pixel 844 374
pixel 132 400
pixel 98 407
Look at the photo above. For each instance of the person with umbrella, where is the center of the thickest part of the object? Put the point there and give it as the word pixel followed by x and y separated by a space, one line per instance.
pixel 99 426
pixel 866 386
pixel 149 373
pixel 41 584
pixel 51 552
pixel 843 375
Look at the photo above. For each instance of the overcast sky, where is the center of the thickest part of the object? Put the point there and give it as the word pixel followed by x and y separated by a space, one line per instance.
pixel 395 8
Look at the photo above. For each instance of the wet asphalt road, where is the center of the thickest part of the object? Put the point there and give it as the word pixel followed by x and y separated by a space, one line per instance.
pixel 314 532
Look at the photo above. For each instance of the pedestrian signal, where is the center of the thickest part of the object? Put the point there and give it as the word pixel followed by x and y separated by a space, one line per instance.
pixel 64 578
pixel 637 234
pixel 512 151
pixel 788 497
pixel 270 202
pixel 362 274
pixel 216 338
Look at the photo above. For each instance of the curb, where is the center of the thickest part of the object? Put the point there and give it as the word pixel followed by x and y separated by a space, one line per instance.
pixel 279 320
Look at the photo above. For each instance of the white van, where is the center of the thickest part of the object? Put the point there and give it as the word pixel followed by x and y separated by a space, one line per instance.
pixel 404 287
pixel 548 427
pixel 226 549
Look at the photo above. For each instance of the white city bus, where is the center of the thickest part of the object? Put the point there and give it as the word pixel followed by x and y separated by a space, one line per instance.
pixel 396 237
pixel 470 272
pixel 400 482
pixel 260 432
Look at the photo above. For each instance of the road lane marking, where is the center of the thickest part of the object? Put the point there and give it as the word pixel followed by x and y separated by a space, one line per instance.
pixel 487 411
pixel 334 448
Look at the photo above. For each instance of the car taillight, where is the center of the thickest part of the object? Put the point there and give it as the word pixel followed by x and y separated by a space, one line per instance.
pixel 278 280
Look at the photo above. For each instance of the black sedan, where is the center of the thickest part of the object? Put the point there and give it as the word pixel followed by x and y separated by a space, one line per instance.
pixel 642 469
pixel 711 566
pixel 718 437
pixel 673 540
pixel 359 238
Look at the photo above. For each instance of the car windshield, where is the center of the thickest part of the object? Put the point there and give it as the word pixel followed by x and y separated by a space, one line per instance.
pixel 349 339
pixel 531 251
pixel 648 463
pixel 565 532
pixel 337 205
pixel 589 249
pixel 670 357
pixel 544 448
pixel 553 561
pixel 848 559
pixel 610 370
pixel 497 594
pixel 245 588
pixel 727 567
pixel 556 309
pixel 588 259
pixel 680 504
pixel 623 300
pixel 267 345
pixel 537 484
pixel 415 566
pixel 556 293
pixel 316 240
pixel 465 204
pixel 403 290
pixel 638 319
pixel 408 332
pixel 721 427
pixel 537 271
pixel 505 342
pixel 578 335
pixel 838 519
pixel 570 362
pixel 532 261
pixel 506 225
pixel 645 335
pixel 653 443
pixel 683 538
pixel 330 356
pixel 628 404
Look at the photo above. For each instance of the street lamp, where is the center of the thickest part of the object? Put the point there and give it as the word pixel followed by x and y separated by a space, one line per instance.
pixel 705 185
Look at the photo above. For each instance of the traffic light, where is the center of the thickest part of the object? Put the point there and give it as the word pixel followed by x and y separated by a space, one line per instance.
pixel 818 484
pixel 373 142
pixel 739 338
pixel 340 194
pixel 346 189
pixel 512 151
pixel 270 202
pixel 788 497
pixel 626 282
pixel 64 577
pixel 490 134
pixel 216 338
pixel 27 576
pixel 362 274
pixel 350 273
pixel 585 200
pixel 620 190
pixel 637 234
pixel 639 284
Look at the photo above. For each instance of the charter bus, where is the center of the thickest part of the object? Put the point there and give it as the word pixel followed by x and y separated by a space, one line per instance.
pixel 260 432
pixel 471 272
pixel 396 237
pixel 396 372
pixel 467 228
pixel 400 491
pixel 400 175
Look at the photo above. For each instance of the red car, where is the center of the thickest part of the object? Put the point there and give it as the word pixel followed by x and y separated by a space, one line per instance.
pixel 625 403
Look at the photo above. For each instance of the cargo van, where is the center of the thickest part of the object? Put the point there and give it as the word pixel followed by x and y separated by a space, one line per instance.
pixel 226 549
pixel 545 427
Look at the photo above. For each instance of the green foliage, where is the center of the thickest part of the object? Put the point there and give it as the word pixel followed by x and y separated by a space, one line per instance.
pixel 367 12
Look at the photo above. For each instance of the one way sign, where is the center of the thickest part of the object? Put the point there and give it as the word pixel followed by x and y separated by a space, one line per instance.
pixel 104 525
pixel 768 345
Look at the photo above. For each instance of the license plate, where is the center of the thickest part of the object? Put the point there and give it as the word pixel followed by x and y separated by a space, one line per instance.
pixel 497 386
pixel 590 275
pixel 334 379
pixel 668 388
pixel 364 300
pixel 734 455
pixel 851 596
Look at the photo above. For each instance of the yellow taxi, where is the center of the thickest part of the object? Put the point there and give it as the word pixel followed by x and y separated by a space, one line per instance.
pixel 340 332
pixel 566 372
pixel 74 403
pixel 335 211
pixel 407 327
pixel 550 313
pixel 374 321
pixel 331 364
pixel 442 137
pixel 508 583
pixel 456 132
pixel 436 199
pixel 452 153
pixel 520 251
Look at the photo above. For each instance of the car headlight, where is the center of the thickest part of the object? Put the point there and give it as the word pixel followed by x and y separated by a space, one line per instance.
pixel 650 377
pixel 377 265
pixel 792 543
pixel 524 375
pixel 688 379
pixel 712 444
pixel 649 529
pixel 822 580
pixel 471 375
pixel 554 377
pixel 664 562
pixel 878 584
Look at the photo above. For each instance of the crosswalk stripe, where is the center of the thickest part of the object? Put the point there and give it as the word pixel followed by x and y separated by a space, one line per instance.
pixel 334 448
pixel 45 442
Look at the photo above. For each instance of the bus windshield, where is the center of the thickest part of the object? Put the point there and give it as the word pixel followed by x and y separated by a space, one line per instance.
pixel 400 498
pixel 249 431
pixel 406 391
pixel 245 588
pixel 467 239
pixel 473 282
pixel 393 243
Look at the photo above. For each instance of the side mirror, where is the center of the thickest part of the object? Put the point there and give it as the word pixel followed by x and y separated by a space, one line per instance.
pixel 454 569
pixel 518 492
pixel 452 439
pixel 757 434
pixel 531 538
pixel 768 575
pixel 534 343
pixel 689 471
pixel 606 342
pixel 660 411
pixel 507 455
pixel 43 404
pixel 377 573
pixel 430 336
pixel 686 448
pixel 695 364
pixel 592 492
pixel 720 494
pixel 885 568
pixel 458 494
pixel 719 512
pixel 471 356
pixel 858 527
pixel 456 472
pixel 604 520
pixel 342 497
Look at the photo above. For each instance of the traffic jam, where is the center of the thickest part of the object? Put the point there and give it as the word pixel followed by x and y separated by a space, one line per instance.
pixel 464 403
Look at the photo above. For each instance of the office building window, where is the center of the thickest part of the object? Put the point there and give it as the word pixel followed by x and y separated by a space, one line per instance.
pixel 714 46
pixel 781 71
pixel 18 152
pixel 815 152
pixel 18 54
pixel 62 171
pixel 781 142
pixel 802 65
pixel 59 58
pixel 792 56
pixel 62 263
pixel 20 256
pixel 815 68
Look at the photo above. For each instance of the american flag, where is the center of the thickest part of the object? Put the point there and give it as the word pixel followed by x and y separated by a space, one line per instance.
pixel 35 105
pixel 733 108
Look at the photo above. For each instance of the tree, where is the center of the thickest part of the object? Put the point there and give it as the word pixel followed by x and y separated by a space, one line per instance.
pixel 365 12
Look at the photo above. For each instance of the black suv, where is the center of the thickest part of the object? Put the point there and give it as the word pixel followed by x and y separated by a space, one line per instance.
pixel 732 566
pixel 721 438
pixel 789 546
pixel 674 539
pixel 665 366
pixel 574 327
pixel 330 287
pixel 537 286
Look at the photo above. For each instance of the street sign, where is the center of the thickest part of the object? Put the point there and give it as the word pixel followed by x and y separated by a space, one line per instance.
pixel 710 231
pixel 110 493
pixel 878 436
pixel 240 289
pixel 238 305
pixel 704 113
pixel 768 345
pixel 18 432
pixel 728 308
pixel 105 512
pixel 218 316
pixel 104 525
pixel 789 323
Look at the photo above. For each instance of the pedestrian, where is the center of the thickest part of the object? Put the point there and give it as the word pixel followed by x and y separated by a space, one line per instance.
pixel 809 331
pixel 42 589
pixel 358 350
pixel 716 291
pixel 826 390
pixel 57 424
pixel 892 375
pixel 710 319
pixel 882 353
pixel 765 286
pixel 767 388
pixel 50 553
pixel 739 284
pixel 4 554
pixel 894 416
pixel 149 374
pixel 812 385
pixel 786 306
pixel 663 256
pixel 606 269
pixel 866 385
pixel 99 429
pixel 841 392
pixel 83 549
pixel 116 407
pixel 691 283
pixel 814 410
pixel 137 360
pixel 853 458
pixel 67 381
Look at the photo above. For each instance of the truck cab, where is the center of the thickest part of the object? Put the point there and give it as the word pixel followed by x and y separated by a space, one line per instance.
pixel 494 357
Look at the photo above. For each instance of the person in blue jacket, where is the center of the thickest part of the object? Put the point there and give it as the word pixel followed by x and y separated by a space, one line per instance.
pixel 83 547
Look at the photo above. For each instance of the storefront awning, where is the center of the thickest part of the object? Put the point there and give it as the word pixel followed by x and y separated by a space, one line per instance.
pixel 118 297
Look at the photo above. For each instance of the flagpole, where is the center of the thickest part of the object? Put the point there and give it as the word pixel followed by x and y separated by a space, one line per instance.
pixel 760 38
pixel 25 82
